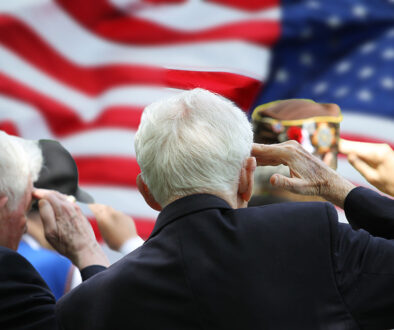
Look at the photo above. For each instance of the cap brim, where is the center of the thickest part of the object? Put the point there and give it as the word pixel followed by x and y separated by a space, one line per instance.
pixel 83 197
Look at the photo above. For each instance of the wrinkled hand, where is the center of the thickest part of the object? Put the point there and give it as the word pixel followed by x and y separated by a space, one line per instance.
pixel 68 230
pixel 375 162
pixel 309 175
pixel 115 226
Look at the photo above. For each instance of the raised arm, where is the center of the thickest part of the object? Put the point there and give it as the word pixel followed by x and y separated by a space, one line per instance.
pixel 117 228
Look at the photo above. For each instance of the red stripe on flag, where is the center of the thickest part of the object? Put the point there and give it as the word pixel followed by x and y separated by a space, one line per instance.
pixel 164 2
pixel 119 117
pixel 144 227
pixel 95 80
pixel 107 21
pixel 251 5
pixel 111 170
pixel 92 80
pixel 96 230
pixel 61 119
pixel 9 127
pixel 240 89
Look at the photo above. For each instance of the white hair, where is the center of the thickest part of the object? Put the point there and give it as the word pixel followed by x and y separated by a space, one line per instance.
pixel 20 163
pixel 194 142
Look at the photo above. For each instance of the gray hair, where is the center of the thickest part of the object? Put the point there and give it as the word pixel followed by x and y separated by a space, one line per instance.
pixel 194 142
pixel 20 162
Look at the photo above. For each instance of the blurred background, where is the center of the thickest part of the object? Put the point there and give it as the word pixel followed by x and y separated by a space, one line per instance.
pixel 82 71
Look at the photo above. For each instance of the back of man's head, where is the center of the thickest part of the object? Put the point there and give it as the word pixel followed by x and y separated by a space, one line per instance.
pixel 20 161
pixel 194 142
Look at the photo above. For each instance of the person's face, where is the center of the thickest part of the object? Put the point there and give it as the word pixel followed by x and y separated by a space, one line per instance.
pixel 14 223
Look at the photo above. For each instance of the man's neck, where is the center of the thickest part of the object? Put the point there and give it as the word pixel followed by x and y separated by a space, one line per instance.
pixel 231 199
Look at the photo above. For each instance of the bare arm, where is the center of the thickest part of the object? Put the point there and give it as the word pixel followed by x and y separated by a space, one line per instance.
pixel 309 175
pixel 115 227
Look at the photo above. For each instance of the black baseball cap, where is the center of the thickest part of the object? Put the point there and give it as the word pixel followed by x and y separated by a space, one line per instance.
pixel 59 171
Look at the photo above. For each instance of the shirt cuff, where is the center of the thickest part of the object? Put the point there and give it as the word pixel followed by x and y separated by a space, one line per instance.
pixel 130 245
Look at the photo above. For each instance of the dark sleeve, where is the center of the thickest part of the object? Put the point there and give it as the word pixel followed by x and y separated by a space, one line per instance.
pixel 26 302
pixel 89 271
pixel 367 209
pixel 364 269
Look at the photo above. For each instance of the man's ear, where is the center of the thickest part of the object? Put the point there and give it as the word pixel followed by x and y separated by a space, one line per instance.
pixel 144 190
pixel 3 201
pixel 245 186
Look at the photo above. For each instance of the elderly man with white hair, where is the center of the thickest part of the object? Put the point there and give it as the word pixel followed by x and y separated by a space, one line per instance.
pixel 25 300
pixel 20 165
pixel 211 263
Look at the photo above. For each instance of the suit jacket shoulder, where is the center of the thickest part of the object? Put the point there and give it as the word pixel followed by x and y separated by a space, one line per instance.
pixel 207 266
pixel 25 300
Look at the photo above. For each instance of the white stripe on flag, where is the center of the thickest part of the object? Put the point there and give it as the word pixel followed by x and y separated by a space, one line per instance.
pixel 27 119
pixel 88 108
pixel 368 126
pixel 198 15
pixel 101 142
pixel 126 200
pixel 199 56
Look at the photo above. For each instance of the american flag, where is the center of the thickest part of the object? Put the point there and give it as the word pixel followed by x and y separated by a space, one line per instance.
pixel 339 52
pixel 82 71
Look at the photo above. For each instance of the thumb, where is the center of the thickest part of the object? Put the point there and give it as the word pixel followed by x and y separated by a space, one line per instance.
pixel 280 181
pixel 291 184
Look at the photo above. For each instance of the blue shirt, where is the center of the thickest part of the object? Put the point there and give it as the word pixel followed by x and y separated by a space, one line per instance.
pixel 55 269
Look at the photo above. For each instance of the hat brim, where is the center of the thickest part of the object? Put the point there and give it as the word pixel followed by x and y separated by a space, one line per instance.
pixel 83 197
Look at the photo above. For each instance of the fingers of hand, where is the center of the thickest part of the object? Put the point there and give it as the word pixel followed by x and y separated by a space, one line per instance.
pixel 295 185
pixel 58 203
pixel 269 154
pixel 40 193
pixel 280 181
pixel 48 219
pixel 365 169
pixel 358 148
pixel 346 146
pixel 371 153
pixel 44 193
pixel 102 213
pixel 56 199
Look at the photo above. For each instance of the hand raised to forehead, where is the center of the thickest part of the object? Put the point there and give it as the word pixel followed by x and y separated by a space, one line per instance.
pixel 308 174
pixel 68 230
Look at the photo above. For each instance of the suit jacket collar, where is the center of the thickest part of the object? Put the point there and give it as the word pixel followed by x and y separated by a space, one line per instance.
pixel 186 205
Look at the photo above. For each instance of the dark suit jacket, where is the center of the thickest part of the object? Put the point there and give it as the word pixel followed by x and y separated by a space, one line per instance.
pixel 368 210
pixel 25 300
pixel 208 266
